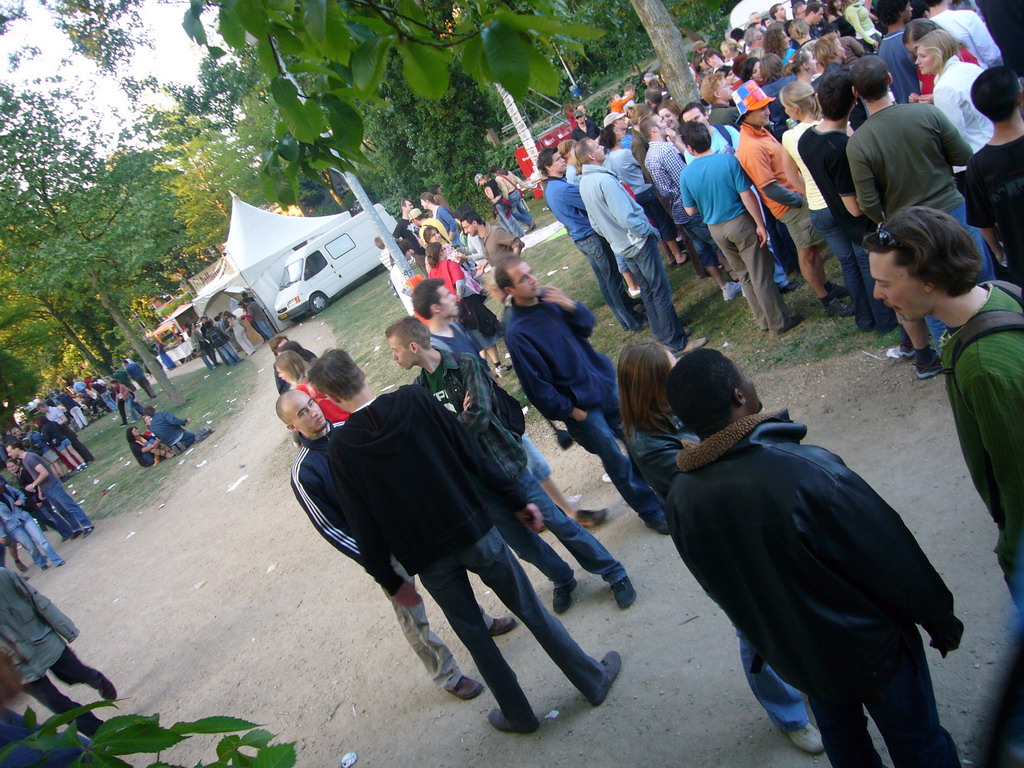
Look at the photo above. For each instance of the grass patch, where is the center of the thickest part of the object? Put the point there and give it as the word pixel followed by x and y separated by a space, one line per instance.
pixel 141 488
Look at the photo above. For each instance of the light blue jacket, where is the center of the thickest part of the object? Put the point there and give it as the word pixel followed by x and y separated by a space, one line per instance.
pixel 11 514
pixel 616 216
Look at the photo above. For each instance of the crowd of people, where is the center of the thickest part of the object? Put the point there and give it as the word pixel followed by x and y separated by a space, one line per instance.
pixel 895 141
pixel 826 587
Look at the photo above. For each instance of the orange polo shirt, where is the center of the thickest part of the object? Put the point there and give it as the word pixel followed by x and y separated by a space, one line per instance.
pixel 760 154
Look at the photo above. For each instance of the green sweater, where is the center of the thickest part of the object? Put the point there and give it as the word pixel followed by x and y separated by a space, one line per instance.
pixel 987 396
pixel 903 155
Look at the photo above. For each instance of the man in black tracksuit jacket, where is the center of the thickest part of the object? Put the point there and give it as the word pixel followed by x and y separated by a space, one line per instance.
pixel 314 490
pixel 812 566
pixel 392 468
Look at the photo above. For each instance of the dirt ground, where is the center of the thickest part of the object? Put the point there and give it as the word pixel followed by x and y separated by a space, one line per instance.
pixel 227 602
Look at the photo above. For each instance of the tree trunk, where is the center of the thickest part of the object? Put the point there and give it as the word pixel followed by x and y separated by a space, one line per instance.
pixel 140 349
pixel 73 336
pixel 668 44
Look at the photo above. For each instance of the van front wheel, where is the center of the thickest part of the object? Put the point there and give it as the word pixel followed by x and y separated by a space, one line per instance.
pixel 317 303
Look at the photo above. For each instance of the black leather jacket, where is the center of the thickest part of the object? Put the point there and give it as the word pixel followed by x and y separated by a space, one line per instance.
pixel 810 564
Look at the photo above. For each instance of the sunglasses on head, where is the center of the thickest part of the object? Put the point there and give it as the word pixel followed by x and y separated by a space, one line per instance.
pixel 886 240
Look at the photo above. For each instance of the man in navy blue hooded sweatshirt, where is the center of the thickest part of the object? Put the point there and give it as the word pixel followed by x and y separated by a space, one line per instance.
pixel 547 334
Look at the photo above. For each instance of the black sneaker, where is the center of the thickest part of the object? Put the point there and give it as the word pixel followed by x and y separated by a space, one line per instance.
pixel 87 531
pixel 928 370
pixel 838 290
pixel 658 526
pixel 562 599
pixel 624 593
pixel 839 308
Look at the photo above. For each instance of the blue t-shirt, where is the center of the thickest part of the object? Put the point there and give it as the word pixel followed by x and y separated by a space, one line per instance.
pixel 901 67
pixel 712 184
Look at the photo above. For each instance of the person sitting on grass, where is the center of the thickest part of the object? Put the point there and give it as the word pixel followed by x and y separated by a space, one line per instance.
pixel 168 428
pixel 146 448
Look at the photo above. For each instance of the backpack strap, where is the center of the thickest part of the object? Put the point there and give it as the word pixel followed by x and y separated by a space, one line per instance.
pixel 725 134
pixel 988 322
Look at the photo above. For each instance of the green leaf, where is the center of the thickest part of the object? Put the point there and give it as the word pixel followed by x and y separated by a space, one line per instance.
pixel 346 123
pixel 193 25
pixel 305 121
pixel 253 16
pixel 544 77
pixel 473 59
pixel 279 756
pixel 314 17
pixel 289 44
pixel 268 61
pixel 507 57
pixel 425 69
pixel 30 719
pixel 338 43
pixel 105 760
pixel 141 737
pixel 257 738
pixel 122 721
pixel 288 148
pixel 215 52
pixel 548 25
pixel 218 724
pixel 230 26
pixel 368 62
pixel 284 193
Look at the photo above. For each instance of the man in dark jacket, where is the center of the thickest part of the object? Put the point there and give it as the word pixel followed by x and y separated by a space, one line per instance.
pixel 441 529
pixel 314 490
pixel 812 566
pixel 463 385
pixel 548 336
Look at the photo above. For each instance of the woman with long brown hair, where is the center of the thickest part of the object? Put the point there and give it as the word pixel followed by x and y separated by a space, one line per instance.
pixel 654 435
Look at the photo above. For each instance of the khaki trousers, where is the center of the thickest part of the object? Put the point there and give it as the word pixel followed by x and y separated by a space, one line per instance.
pixel 752 264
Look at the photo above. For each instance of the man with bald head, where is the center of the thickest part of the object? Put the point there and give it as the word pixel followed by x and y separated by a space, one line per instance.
pixel 313 488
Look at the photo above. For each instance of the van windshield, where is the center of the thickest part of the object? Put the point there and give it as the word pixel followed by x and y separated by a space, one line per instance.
pixel 292 274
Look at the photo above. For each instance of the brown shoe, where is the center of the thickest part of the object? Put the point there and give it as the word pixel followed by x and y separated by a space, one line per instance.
pixel 467 688
pixel 591 518
pixel 503 625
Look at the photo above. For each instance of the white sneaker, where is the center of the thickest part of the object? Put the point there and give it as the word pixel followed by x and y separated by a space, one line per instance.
pixel 731 290
pixel 807 739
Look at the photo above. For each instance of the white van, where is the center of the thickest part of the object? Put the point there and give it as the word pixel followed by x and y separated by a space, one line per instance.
pixel 325 266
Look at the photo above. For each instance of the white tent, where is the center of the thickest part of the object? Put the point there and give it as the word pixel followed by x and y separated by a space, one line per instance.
pixel 741 13
pixel 259 243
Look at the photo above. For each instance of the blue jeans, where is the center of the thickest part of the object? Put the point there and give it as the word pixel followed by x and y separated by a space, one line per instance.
pixel 609 281
pixel 51 517
pixel 656 293
pixel 581 544
pixel 783 703
pixel 62 500
pixel 209 359
pixel 448 583
pixel 905 714
pixel 781 242
pixel 131 407
pixel 519 210
pixel 529 546
pixel 870 314
pixel 656 212
pixel 227 354
pixel 32 538
pixel 108 399
pixel 535 461
pixel 707 250
pixel 264 329
pixel 598 434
